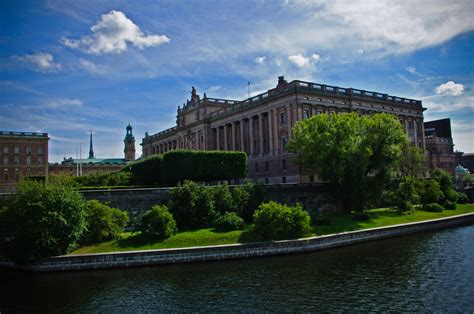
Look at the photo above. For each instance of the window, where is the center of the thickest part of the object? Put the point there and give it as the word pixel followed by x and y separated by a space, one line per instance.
pixel 5 148
pixel 266 180
pixel 28 149
pixel 284 143
pixel 283 179
pixel 17 149
pixel 17 160
pixel 40 161
pixel 28 160
pixel 311 179
pixel 410 125
pixel 305 114
pixel 266 166
pixel 283 164
pixel 5 160
pixel 283 117
pixel 5 177
pixel 40 150
pixel 256 167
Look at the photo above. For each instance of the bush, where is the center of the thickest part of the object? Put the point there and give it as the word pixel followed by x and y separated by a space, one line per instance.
pixel 103 179
pixel 229 221
pixel 431 192
pixel 49 220
pixel 433 207
pixel 462 198
pixel 276 221
pixel 192 205
pixel 147 171
pixel 179 165
pixel 443 178
pixel 104 223
pixel 247 197
pixel 158 223
pixel 449 205
pixel 223 201
pixel 451 195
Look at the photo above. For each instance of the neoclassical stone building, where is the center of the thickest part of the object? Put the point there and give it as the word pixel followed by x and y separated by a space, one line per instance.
pixel 261 125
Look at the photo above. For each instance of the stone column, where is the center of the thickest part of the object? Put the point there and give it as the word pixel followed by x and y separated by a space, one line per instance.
pixel 218 138
pixel 299 112
pixel 423 134
pixel 242 135
pixel 289 118
pixel 275 131
pixel 260 131
pixel 226 147
pixel 415 130
pixel 270 132
pixel 251 135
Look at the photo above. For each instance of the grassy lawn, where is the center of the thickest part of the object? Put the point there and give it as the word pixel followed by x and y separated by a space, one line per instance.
pixel 204 237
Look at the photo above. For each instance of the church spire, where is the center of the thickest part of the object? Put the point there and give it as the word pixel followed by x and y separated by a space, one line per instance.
pixel 91 150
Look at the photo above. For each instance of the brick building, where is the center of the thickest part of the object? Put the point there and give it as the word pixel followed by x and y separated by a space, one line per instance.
pixel 23 154
pixel 261 125
pixel 439 145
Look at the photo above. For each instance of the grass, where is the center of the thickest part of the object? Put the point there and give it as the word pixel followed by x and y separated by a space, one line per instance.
pixel 205 237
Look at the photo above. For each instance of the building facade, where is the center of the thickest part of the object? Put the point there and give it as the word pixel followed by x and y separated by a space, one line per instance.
pixel 23 154
pixel 261 125
pixel 439 145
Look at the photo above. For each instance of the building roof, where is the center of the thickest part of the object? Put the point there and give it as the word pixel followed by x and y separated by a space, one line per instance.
pixel 95 161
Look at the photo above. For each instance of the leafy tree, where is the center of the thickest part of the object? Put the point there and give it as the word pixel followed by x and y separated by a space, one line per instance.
pixel 158 223
pixel 468 180
pixel 406 195
pixel 104 223
pixel 275 221
pixel 49 220
pixel 192 205
pixel 443 178
pixel 356 155
pixel 223 201
pixel 247 197
pixel 227 222
pixel 430 192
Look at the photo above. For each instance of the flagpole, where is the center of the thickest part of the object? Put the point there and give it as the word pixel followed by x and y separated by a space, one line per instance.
pixel 248 88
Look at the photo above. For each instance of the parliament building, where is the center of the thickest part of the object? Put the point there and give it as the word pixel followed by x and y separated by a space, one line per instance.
pixel 261 125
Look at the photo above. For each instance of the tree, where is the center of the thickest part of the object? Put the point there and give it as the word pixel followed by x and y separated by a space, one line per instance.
pixel 49 220
pixel 356 155
pixel 158 223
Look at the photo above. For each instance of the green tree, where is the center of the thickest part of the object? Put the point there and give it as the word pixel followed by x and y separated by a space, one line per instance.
pixel 104 223
pixel 356 155
pixel 49 220
pixel 158 223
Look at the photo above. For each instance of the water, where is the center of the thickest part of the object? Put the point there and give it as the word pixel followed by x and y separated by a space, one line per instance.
pixel 424 272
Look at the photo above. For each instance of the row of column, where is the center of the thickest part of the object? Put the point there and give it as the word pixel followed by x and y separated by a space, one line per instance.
pixel 164 147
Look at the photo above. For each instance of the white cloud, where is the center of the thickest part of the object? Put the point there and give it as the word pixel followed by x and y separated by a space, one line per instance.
pixel 411 69
pixel 260 59
pixel 42 61
pixel 302 61
pixel 112 34
pixel 450 88
pixel 63 103
pixel 89 66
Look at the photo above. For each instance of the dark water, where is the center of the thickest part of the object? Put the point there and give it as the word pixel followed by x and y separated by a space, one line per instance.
pixel 424 272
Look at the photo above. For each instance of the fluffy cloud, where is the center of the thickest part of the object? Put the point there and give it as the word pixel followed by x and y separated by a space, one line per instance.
pixel 42 61
pixel 450 88
pixel 112 34
pixel 260 60
pixel 302 61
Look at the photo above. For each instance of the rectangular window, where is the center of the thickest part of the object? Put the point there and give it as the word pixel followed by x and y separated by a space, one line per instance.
pixel 284 143
pixel 410 125
pixel 311 179
pixel 305 114
pixel 17 160
pixel 40 150
pixel 28 160
pixel 283 179
pixel 28 149
pixel 266 180
pixel 266 166
pixel 5 148
pixel 5 160
pixel 40 161
pixel 17 149
pixel 283 118
pixel 256 167
pixel 283 164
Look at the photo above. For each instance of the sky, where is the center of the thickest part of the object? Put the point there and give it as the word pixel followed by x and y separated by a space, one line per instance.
pixel 69 67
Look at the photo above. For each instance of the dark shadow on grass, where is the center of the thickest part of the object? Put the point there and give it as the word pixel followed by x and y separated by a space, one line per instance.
pixel 136 241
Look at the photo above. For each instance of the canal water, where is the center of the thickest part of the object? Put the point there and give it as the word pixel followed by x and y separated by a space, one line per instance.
pixel 423 272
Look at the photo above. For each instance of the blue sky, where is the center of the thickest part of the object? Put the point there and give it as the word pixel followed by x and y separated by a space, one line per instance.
pixel 67 67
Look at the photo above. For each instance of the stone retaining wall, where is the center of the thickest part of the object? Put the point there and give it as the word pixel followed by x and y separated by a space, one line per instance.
pixel 234 251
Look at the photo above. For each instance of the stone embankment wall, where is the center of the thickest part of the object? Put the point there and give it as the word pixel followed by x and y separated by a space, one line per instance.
pixel 221 252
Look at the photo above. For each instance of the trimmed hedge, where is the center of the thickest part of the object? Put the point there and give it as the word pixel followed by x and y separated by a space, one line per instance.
pixel 147 171
pixel 180 165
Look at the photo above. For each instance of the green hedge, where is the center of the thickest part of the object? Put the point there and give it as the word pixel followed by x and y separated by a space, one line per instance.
pixel 147 171
pixel 180 165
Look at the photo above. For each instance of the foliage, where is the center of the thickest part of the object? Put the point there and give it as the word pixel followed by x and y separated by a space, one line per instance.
pixel 227 222
pixel 451 195
pixel 433 207
pixel 147 171
pixel 7 222
pixel 405 194
pixel 223 201
pixel 104 223
pixel 462 198
pixel 276 221
pixel 361 216
pixel 430 192
pixel 103 179
pixel 180 165
pixel 49 219
pixel 158 223
pixel 192 205
pixel 412 162
pixel 468 180
pixel 320 218
pixel 449 204
pixel 443 178
pixel 247 197
pixel 355 154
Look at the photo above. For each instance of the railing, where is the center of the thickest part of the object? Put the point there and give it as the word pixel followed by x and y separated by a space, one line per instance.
pixel 24 133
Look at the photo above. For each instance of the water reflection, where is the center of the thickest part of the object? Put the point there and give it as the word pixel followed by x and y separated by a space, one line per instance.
pixel 431 271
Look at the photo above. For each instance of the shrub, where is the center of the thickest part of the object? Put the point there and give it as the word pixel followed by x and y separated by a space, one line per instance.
pixel 451 195
pixel 104 223
pixel 276 221
pixel 179 165
pixel 147 171
pixel 227 222
pixel 449 205
pixel 103 179
pixel 223 201
pixel 431 192
pixel 247 197
pixel 443 178
pixel 433 207
pixel 192 206
pixel 158 223
pixel 462 198
pixel 49 220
